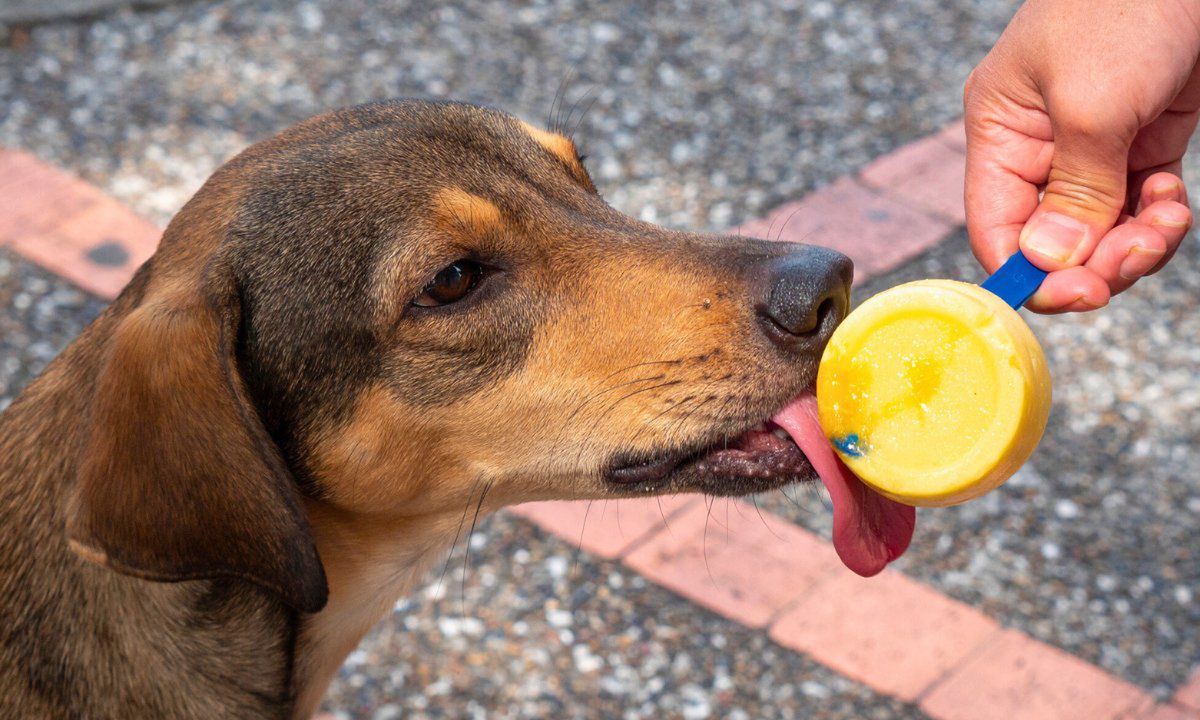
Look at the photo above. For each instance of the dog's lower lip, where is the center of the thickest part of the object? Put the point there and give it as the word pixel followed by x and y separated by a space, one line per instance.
pixel 760 458
pixel 646 472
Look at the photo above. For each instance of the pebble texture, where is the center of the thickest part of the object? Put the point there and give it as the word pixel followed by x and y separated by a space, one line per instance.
pixel 698 114
pixel 39 314
pixel 22 12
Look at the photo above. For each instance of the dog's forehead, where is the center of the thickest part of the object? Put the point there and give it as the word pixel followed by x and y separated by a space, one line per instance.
pixel 418 144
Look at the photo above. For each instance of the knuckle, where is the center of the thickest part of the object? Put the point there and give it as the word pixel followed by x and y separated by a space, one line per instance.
pixel 1088 191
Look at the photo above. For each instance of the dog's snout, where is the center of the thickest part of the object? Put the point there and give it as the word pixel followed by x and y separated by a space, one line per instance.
pixel 804 296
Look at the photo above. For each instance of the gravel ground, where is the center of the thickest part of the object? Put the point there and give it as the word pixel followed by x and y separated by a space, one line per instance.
pixel 540 630
pixel 705 113
pixel 39 314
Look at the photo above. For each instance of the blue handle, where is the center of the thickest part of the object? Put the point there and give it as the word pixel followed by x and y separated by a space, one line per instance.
pixel 1016 281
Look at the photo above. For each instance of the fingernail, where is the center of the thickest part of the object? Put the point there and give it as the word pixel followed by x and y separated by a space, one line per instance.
pixel 1166 191
pixel 1053 236
pixel 1138 262
pixel 1170 224
pixel 1088 303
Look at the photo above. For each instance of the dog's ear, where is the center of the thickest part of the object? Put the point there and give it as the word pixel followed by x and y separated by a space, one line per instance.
pixel 178 479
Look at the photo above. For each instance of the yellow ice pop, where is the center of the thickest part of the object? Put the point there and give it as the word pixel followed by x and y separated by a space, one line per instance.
pixel 934 392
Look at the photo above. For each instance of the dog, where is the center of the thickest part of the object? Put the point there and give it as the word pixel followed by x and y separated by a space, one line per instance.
pixel 353 332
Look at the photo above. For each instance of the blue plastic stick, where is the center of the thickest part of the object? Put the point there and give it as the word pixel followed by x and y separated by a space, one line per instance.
pixel 1016 281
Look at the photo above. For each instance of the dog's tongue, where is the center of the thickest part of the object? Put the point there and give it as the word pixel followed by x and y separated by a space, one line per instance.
pixel 869 530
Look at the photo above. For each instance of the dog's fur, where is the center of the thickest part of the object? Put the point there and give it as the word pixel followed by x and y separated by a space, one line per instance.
pixel 238 468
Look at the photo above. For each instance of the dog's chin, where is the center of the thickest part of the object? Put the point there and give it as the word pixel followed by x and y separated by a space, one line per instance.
pixel 759 459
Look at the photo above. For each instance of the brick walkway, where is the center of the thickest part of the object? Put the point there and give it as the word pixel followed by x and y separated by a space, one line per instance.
pixel 898 636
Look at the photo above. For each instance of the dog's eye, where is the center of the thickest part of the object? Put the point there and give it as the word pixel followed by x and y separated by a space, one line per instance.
pixel 453 283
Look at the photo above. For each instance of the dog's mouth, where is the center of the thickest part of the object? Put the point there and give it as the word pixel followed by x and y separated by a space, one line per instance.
pixel 869 530
pixel 761 458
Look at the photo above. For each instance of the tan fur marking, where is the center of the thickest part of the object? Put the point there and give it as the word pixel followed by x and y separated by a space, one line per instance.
pixel 559 146
pixel 91 554
pixel 459 207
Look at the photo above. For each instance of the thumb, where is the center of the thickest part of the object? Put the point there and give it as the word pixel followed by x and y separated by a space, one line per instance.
pixel 1084 198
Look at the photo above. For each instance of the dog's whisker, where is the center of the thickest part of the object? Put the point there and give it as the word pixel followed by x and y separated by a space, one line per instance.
pixel 579 547
pixel 462 521
pixel 552 119
pixel 812 491
pixel 467 555
pixel 728 526
pixel 564 120
pixel 674 431
pixel 584 403
pixel 670 408
pixel 612 406
pixel 725 525
pixel 638 365
pixel 570 133
pixel 826 503
pixel 579 122
pixel 784 224
pixel 702 401
pixel 566 425
pixel 662 514
pixel 708 503
pixel 792 500
pixel 667 433
pixel 757 509
pixel 770 227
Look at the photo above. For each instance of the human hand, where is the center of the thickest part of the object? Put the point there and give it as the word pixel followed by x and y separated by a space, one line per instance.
pixel 1092 101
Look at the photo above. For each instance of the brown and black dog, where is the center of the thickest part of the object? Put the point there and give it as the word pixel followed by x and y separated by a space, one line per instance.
pixel 351 333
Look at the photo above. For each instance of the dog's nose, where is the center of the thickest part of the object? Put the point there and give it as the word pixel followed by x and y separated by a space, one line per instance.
pixel 805 295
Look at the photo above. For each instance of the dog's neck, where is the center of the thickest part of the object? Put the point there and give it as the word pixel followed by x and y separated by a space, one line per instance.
pixel 370 563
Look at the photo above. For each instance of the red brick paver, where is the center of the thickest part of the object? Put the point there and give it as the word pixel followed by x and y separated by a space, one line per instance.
pixel 877 232
pixel 607 528
pixel 1017 678
pixel 1189 695
pixel 35 196
pixel 104 231
pixel 1139 711
pixel 927 174
pixel 889 632
pixel 1169 712
pixel 954 135
pixel 728 557
pixel 70 227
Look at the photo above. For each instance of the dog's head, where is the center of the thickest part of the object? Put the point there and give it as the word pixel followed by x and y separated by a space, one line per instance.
pixel 391 308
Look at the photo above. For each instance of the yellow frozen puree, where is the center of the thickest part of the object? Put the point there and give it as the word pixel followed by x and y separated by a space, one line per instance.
pixel 934 392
